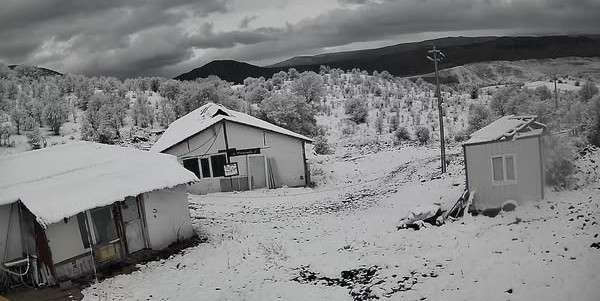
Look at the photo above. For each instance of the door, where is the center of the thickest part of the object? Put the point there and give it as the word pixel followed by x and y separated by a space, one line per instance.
pixel 258 171
pixel 132 221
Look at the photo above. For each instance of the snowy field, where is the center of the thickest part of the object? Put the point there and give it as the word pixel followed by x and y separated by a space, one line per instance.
pixel 340 242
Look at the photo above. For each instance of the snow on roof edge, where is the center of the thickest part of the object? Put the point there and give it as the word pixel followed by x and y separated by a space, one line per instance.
pixel 198 118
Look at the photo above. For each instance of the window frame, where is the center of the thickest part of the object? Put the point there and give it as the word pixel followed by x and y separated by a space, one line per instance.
pixel 505 180
pixel 210 165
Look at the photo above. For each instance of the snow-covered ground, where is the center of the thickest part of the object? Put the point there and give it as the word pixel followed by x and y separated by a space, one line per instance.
pixel 339 242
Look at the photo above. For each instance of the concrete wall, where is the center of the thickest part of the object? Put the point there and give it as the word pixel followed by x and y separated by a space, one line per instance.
pixel 528 186
pixel 13 244
pixel 64 240
pixel 167 212
pixel 285 153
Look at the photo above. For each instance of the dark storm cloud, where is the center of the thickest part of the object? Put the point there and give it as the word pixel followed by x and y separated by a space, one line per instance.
pixel 91 30
pixel 387 19
pixel 159 37
pixel 246 20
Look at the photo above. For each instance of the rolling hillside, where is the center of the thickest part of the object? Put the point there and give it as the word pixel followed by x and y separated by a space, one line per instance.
pixel 410 59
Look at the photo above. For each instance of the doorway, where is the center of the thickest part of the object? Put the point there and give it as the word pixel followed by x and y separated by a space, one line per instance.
pixel 132 222
pixel 257 168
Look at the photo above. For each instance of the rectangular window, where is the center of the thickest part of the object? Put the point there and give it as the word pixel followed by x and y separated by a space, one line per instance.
pixel 104 225
pixel 218 165
pixel 81 220
pixel 205 168
pixel 497 169
pixel 101 224
pixel 192 165
pixel 510 168
pixel 503 170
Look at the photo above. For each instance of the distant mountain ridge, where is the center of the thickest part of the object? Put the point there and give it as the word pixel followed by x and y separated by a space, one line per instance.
pixel 409 59
pixel 38 71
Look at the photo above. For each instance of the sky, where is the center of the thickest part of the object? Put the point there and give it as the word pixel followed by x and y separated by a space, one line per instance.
pixel 130 38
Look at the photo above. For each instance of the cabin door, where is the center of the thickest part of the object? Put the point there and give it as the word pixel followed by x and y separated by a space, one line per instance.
pixel 258 171
pixel 134 228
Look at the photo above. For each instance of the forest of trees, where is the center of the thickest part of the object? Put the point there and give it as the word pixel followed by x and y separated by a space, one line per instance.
pixel 104 106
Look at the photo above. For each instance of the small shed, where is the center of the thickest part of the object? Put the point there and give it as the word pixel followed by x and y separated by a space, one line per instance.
pixel 505 161
pixel 229 150
pixel 67 209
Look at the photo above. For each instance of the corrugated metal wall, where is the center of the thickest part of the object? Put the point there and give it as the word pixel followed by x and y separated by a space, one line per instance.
pixel 528 186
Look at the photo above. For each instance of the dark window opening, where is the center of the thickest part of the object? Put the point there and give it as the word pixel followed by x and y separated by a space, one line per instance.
pixel 205 168
pixel 192 165
pixel 218 165
pixel 104 225
pixel 85 238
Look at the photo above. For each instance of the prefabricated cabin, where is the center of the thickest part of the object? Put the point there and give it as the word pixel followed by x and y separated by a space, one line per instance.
pixel 505 161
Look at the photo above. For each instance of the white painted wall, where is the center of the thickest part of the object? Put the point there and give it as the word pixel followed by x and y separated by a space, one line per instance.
pixel 13 243
pixel 285 153
pixel 528 186
pixel 166 212
pixel 64 240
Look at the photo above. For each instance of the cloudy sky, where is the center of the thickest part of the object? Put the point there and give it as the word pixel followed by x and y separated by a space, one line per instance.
pixel 127 38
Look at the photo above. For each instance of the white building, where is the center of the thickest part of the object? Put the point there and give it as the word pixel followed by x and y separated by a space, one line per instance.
pixel 65 209
pixel 229 150
pixel 505 161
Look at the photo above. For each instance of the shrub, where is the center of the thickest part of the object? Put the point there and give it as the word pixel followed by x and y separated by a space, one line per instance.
pixel 559 163
pixel 357 109
pixel 35 138
pixel 475 93
pixel 422 134
pixel 322 145
pixel 587 91
pixel 6 130
pixel 479 116
pixel 394 122
pixel 461 136
pixel 402 134
pixel 594 131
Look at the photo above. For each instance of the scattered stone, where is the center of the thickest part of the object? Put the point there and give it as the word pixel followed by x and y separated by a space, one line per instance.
pixel 595 245
pixel 510 291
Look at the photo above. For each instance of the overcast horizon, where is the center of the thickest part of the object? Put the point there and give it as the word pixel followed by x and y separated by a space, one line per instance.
pixel 129 38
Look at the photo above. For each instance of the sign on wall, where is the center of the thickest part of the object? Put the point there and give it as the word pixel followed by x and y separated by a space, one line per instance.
pixel 231 169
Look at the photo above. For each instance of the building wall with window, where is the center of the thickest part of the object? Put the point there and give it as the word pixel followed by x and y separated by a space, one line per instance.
pixel 503 170
pixel 204 154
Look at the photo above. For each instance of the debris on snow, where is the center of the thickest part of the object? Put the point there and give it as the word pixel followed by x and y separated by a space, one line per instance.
pixel 420 214
pixel 509 205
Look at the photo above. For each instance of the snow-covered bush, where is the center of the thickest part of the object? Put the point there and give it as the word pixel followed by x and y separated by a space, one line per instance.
pixel 35 138
pixel 357 109
pixel 322 145
pixel 422 134
pixel 402 134
pixel 559 162
pixel 6 130
pixel 594 131
pixel 479 116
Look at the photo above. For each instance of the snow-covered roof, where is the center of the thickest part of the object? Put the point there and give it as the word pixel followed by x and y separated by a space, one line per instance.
pixel 508 127
pixel 58 182
pixel 206 116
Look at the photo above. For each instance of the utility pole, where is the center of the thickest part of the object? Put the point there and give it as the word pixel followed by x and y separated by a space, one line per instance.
pixel 555 94
pixel 438 56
